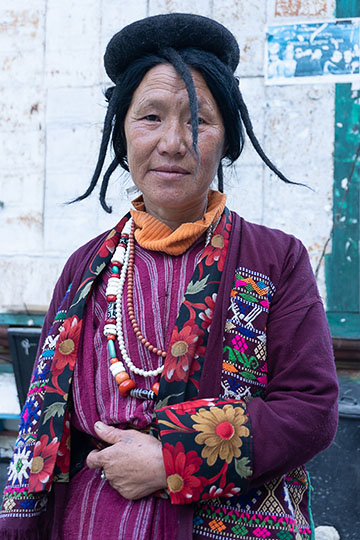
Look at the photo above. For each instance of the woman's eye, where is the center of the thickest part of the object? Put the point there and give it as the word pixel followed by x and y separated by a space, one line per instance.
pixel 201 121
pixel 152 118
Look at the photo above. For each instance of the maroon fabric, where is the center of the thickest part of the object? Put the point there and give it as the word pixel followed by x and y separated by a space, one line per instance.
pixel 300 364
pixel 95 397
pixel 298 417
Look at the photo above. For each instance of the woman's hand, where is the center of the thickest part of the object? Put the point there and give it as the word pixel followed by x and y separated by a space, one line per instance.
pixel 132 463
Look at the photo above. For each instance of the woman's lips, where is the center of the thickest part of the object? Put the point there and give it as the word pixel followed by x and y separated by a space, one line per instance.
pixel 170 172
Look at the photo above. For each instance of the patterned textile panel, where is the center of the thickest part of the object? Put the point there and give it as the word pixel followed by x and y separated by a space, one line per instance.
pixel 273 511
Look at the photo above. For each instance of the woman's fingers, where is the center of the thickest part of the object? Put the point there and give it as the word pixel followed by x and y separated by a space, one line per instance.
pixel 93 461
pixel 110 435
pixel 132 462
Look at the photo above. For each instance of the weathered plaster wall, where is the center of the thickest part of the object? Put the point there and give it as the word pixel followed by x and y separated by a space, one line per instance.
pixel 51 112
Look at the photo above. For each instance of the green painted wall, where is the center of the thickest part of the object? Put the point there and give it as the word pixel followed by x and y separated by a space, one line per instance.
pixel 347 8
pixel 343 264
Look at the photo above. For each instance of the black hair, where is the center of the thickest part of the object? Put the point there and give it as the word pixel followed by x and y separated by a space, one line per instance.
pixel 224 87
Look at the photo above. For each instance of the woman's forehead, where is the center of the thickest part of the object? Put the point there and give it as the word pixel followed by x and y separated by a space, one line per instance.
pixel 163 80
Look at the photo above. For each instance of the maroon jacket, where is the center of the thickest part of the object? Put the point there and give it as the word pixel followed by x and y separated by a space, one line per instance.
pixel 291 404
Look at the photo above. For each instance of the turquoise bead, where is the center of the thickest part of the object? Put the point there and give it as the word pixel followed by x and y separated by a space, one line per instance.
pixel 111 348
pixel 115 270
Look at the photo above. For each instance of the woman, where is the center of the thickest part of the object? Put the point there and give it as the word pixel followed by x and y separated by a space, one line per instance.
pixel 224 314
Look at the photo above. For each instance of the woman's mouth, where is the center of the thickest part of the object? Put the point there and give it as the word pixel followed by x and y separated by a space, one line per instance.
pixel 170 171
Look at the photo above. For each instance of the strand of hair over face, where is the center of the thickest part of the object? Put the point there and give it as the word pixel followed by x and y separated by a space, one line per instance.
pixel 182 69
pixel 173 57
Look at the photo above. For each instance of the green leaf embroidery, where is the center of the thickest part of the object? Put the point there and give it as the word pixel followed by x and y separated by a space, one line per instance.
pixel 100 268
pixel 231 354
pixel 164 402
pixel 83 293
pixel 242 467
pixel 54 409
pixel 198 286
pixel 237 355
pixel 62 478
pixel 248 376
pixel 234 356
pixel 248 363
pixel 249 298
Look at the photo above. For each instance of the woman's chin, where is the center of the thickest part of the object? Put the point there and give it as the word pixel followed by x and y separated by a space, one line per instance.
pixel 173 202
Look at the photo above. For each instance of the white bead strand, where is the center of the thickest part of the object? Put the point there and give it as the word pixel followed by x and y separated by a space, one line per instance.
pixel 120 336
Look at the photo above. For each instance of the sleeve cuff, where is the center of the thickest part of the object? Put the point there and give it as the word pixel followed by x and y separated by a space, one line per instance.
pixel 206 449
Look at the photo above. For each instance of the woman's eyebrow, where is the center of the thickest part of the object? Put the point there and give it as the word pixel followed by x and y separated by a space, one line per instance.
pixel 150 101
pixel 205 103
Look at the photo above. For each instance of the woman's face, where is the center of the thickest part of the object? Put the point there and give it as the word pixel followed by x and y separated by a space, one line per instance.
pixel 158 135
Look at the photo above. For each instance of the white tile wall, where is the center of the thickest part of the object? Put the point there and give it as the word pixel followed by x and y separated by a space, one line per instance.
pixel 51 114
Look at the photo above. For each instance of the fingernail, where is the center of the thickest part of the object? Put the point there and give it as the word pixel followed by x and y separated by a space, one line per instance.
pixel 99 426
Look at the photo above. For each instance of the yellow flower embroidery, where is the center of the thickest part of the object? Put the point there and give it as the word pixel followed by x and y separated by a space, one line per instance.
pixel 220 432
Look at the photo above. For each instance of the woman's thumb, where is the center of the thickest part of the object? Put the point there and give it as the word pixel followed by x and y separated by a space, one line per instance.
pixel 108 434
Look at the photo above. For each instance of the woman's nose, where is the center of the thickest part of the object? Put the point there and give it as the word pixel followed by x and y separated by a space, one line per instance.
pixel 174 138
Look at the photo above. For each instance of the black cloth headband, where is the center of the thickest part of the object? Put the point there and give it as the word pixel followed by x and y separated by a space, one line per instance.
pixel 176 30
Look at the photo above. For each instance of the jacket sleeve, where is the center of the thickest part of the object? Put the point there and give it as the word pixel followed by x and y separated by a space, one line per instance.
pixel 31 516
pixel 23 518
pixel 218 448
pixel 298 417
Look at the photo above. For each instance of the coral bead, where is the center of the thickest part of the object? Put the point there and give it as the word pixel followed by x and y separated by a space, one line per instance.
pixel 121 377
pixel 111 337
pixel 113 360
pixel 126 386
pixel 155 388
pixel 111 298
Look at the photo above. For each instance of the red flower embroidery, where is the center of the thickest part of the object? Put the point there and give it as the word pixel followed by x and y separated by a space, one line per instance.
pixel 229 491
pixel 181 361
pixel 180 468
pixel 63 460
pixel 216 250
pixel 43 463
pixel 206 315
pixel 67 346
pixel 191 407
pixel 109 245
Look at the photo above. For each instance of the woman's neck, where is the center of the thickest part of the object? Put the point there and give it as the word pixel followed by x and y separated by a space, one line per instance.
pixel 174 217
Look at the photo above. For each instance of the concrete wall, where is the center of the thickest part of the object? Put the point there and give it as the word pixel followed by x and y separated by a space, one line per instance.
pixel 51 112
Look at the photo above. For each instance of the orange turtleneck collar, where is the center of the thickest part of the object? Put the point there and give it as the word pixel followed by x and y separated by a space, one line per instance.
pixel 151 233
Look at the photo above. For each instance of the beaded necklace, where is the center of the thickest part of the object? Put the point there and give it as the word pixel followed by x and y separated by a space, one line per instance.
pixel 123 265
